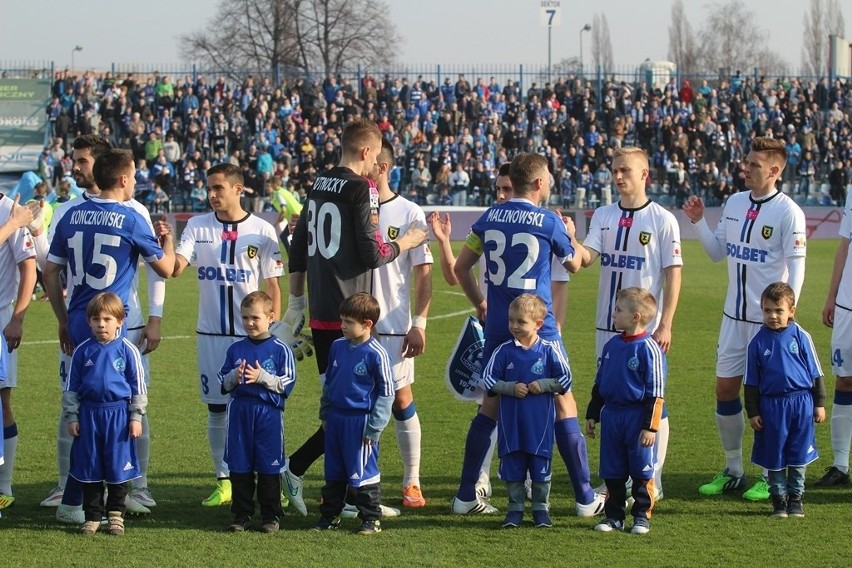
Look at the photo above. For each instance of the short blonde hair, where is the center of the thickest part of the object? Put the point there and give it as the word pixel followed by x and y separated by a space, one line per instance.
pixel 638 301
pixel 531 305
pixel 630 151
pixel 105 302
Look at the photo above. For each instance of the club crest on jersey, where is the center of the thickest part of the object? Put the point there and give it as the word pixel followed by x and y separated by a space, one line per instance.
pixel 644 238
pixel 537 368
pixel 633 363
pixel 119 364
pixel 766 231
pixel 360 369
pixel 251 251
pixel 393 233
pixel 793 347
pixel 269 366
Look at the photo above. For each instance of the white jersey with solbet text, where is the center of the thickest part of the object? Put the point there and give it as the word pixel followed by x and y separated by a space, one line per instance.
pixel 392 281
pixel 759 237
pixel 844 290
pixel 635 247
pixel 230 260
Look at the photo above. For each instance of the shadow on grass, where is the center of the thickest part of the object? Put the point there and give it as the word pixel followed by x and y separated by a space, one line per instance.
pixel 179 497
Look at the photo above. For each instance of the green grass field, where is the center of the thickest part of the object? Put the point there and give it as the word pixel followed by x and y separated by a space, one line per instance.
pixel 687 529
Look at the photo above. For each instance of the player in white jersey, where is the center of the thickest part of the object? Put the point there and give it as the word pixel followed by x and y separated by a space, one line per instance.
pixel 762 234
pixel 403 336
pixel 837 314
pixel 232 252
pixel 18 267
pixel 145 335
pixel 638 243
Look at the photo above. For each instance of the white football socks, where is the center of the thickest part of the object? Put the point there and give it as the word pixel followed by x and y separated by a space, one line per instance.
pixel 408 438
pixel 217 437
pixel 660 449
pixel 841 435
pixel 731 429
pixel 143 454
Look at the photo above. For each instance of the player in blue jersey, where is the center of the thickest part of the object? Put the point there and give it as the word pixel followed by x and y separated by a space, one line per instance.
pixel 259 372
pixel 762 234
pixel 627 399
pixel 103 406
pixel 355 407
pixel 518 240
pixel 784 396
pixel 526 371
pixel 100 242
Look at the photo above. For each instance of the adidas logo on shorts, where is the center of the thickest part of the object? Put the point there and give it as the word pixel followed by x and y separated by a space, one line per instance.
pixel 128 466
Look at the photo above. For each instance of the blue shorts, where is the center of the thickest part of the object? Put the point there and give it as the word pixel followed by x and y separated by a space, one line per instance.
pixel 347 457
pixel 787 438
pixel 514 467
pixel 255 437
pixel 104 450
pixel 621 453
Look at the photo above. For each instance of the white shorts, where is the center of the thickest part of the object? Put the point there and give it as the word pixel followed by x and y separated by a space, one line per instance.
pixel 11 358
pixel 841 343
pixel 403 368
pixel 211 354
pixel 734 338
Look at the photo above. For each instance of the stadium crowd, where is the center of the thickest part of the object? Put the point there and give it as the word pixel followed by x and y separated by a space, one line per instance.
pixel 451 138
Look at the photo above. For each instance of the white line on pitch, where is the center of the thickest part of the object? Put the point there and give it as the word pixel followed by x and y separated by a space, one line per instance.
pixel 54 341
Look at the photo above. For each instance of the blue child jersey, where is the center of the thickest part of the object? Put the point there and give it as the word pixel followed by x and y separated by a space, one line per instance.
pixel 526 424
pixel 275 357
pixel 100 242
pixel 359 380
pixel 782 362
pixel 518 240
pixel 632 370
pixel 106 372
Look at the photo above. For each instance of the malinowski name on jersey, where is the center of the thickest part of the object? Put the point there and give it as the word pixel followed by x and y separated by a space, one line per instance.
pixel 502 215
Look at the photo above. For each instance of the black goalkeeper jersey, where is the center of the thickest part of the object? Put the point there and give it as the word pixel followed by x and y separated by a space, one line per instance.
pixel 337 242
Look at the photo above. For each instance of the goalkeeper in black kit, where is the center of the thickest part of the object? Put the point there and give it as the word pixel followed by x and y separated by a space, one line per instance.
pixel 337 243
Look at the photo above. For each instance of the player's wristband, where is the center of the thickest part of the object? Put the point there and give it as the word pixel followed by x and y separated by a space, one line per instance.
pixel 418 321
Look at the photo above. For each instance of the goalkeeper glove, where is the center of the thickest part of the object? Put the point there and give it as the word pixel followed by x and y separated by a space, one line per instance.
pixel 301 344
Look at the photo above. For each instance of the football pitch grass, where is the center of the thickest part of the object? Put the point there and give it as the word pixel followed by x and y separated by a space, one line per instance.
pixel 687 529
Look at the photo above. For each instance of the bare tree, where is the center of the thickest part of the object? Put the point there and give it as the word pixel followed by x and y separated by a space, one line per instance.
pixel 310 36
pixel 601 43
pixel 835 23
pixel 824 19
pixel 332 33
pixel 725 47
pixel 814 49
pixel 682 48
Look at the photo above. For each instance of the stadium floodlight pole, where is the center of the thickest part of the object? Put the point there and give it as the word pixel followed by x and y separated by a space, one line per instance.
pixel 585 28
pixel 76 49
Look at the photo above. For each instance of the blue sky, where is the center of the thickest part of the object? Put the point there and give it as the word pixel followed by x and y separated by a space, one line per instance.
pixel 439 31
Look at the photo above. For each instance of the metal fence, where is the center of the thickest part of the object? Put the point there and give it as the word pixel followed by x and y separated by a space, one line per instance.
pixel 524 74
